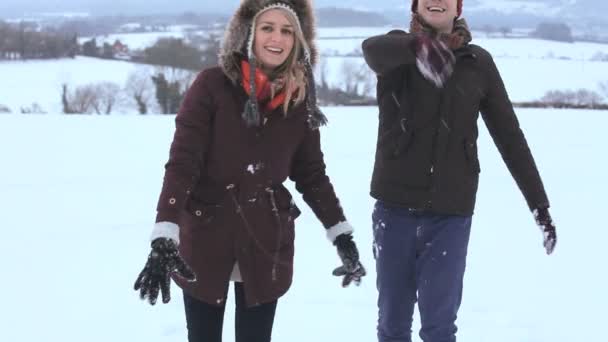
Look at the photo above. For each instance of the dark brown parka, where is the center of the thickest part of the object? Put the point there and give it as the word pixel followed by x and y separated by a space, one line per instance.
pixel 224 179
pixel 426 156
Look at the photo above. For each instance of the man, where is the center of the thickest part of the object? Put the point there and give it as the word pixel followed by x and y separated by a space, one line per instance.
pixel 432 84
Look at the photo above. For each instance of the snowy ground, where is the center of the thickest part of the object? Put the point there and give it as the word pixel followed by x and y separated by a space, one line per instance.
pixel 40 81
pixel 526 65
pixel 78 196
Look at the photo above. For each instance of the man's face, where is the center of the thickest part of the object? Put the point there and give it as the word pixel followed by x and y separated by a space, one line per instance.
pixel 440 14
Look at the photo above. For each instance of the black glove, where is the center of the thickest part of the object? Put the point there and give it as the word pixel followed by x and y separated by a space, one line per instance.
pixel 545 223
pixel 163 260
pixel 351 268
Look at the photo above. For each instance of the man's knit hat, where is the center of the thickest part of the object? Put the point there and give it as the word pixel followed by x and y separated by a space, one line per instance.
pixel 458 7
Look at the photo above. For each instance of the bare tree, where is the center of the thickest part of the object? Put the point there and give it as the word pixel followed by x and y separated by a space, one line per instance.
pixel 139 88
pixel 357 79
pixel 4 109
pixel 553 31
pixel 581 98
pixel 99 98
pixel 367 79
pixel 82 100
pixel 588 98
pixel 33 109
pixel 604 90
pixel 348 70
pixel 67 109
pixel 106 96
pixel 171 85
pixel 208 44
pixel 323 73
pixel 505 30
pixel 488 29
pixel 79 101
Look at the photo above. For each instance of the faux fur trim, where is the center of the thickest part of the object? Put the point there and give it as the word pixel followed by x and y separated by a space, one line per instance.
pixel 234 44
pixel 278 5
pixel 167 230
pixel 340 228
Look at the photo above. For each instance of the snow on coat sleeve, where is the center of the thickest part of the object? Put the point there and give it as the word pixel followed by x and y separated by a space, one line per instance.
pixel 499 116
pixel 387 52
pixel 182 171
pixel 308 173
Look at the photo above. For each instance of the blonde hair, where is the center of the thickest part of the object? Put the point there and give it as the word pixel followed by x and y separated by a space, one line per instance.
pixel 292 70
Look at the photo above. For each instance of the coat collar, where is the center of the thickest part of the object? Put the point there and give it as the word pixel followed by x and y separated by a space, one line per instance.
pixel 465 52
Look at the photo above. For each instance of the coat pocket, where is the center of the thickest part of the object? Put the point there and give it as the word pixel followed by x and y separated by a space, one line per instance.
pixel 394 140
pixel 470 152
pixel 203 214
pixel 283 230
pixel 203 211
pixel 286 205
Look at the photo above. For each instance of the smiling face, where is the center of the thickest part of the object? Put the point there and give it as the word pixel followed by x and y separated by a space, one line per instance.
pixel 274 39
pixel 440 14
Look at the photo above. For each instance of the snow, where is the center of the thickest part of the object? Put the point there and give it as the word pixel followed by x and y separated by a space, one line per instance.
pixel 78 204
pixel 40 81
pixel 513 6
pixel 525 64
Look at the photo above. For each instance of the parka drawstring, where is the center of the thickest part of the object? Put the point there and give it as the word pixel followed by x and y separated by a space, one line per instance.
pixel 239 209
pixel 275 211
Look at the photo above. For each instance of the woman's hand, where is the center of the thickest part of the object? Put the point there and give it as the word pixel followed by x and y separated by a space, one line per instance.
pixel 352 270
pixel 164 259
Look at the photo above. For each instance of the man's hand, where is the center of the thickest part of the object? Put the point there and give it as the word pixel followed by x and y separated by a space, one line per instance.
pixel 545 223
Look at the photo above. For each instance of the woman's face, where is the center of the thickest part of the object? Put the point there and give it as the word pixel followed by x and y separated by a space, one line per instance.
pixel 440 14
pixel 274 38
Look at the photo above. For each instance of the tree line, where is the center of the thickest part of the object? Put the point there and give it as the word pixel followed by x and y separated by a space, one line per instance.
pixel 27 41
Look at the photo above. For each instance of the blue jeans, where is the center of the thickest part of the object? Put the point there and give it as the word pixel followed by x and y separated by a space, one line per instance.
pixel 420 256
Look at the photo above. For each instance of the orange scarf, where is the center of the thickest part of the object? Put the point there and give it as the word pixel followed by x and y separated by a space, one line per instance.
pixel 262 88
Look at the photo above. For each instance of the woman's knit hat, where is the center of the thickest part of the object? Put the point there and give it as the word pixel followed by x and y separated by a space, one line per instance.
pixel 238 43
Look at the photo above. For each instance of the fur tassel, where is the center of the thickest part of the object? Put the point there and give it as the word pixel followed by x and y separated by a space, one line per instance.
pixel 250 114
pixel 316 118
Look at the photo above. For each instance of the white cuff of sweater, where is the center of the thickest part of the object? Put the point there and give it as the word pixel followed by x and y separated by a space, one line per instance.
pixel 167 230
pixel 339 228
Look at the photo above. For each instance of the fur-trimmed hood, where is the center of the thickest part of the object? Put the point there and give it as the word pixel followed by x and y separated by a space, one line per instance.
pixel 234 45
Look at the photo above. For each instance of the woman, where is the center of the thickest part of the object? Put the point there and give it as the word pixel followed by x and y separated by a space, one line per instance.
pixel 432 84
pixel 243 128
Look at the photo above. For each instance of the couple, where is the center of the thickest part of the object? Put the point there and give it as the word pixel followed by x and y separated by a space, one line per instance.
pixel 247 125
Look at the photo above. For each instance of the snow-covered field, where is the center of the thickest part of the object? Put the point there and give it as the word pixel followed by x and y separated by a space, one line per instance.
pixel 78 196
pixel 40 81
pixel 345 41
pixel 529 67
